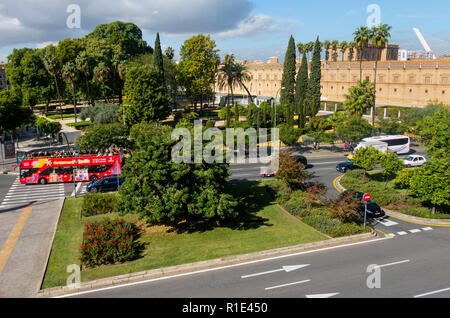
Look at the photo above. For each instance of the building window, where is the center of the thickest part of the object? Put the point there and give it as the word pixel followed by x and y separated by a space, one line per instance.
pixel 426 91
pixel 410 90
pixel 355 78
pixel 381 89
pixel 428 80
pixel 381 79
pixel 412 79
pixel 443 92
pixel 343 87
pixel 445 80
pixel 367 78
pixel 395 90
pixel 396 79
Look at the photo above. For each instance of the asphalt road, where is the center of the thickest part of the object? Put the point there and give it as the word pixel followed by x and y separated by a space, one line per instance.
pixel 409 266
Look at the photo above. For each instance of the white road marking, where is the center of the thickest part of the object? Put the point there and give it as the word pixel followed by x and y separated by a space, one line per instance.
pixel 388 223
pixel 290 284
pixel 402 233
pixel 392 234
pixel 432 293
pixel 286 269
pixel 322 295
pixel 222 267
pixel 392 264
pixel 415 231
pixel 427 229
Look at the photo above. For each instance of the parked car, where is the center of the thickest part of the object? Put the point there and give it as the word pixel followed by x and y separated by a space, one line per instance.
pixel 268 173
pixel 105 184
pixel 373 209
pixel 344 166
pixel 302 159
pixel 414 161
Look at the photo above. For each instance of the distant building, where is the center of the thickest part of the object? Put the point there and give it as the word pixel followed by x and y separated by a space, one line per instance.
pixel 410 83
pixel 4 84
pixel 406 55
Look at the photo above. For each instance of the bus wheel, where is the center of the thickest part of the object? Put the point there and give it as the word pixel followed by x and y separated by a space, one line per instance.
pixel 93 178
pixel 42 181
pixel 94 190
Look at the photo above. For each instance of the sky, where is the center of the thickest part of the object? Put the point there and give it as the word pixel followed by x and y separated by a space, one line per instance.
pixel 249 29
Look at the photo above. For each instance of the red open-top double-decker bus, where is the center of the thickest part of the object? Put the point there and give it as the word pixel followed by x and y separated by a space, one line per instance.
pixel 82 168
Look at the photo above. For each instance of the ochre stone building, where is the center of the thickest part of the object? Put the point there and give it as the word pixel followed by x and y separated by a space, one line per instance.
pixel 413 83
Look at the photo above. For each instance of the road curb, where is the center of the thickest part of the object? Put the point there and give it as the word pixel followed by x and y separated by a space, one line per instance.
pixel 398 215
pixel 202 266
pixel 416 219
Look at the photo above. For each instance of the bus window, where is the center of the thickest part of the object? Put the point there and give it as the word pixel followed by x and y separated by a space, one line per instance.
pixel 397 142
pixel 25 173
pixel 47 172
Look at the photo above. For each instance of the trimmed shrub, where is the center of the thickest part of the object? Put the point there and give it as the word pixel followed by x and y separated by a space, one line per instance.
pixel 98 203
pixel 108 242
pixel 321 223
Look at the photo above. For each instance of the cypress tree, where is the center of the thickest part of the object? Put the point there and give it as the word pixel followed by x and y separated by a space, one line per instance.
pixel 313 93
pixel 158 57
pixel 288 81
pixel 300 92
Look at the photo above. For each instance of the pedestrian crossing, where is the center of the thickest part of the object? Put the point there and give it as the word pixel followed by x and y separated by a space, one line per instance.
pixel 412 231
pixel 20 194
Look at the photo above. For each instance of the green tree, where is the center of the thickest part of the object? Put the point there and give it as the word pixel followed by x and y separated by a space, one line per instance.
pixel 53 67
pixel 158 61
pixel 431 183
pixel 300 92
pixel 361 38
pixel 289 135
pixel 313 93
pixel 435 133
pixel 236 113
pixel 104 136
pixel 102 74
pixel 391 165
pixel 404 179
pixel 82 63
pixel 70 73
pixel 198 67
pixel 360 98
pixel 127 36
pixel 12 113
pixel 380 36
pixel 367 158
pixel 166 192
pixel 353 129
pixel 146 97
pixel 288 81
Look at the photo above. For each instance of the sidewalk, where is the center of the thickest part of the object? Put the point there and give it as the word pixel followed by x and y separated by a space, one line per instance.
pixel 26 236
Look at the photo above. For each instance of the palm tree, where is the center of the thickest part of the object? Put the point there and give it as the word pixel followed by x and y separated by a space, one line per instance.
pixel 82 62
pixel 309 47
pixel 343 46
pixel 301 48
pixel 380 38
pixel 334 46
pixel 70 73
pixel 351 47
pixel 52 65
pixel 170 53
pixel 226 76
pixel 101 73
pixel 326 46
pixel 242 75
pixel 361 39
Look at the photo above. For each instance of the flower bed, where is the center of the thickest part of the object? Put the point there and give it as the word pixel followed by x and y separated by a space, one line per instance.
pixel 108 242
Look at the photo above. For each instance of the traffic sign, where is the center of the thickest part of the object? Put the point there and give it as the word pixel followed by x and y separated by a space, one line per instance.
pixel 367 197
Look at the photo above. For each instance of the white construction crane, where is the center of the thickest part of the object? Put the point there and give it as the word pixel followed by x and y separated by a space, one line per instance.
pixel 423 42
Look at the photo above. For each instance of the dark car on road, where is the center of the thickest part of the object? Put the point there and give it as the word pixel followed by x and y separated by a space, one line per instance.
pixel 105 184
pixel 373 209
pixel 302 160
pixel 344 166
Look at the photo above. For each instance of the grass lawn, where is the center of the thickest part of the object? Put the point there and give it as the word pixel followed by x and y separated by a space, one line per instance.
pixel 391 198
pixel 262 226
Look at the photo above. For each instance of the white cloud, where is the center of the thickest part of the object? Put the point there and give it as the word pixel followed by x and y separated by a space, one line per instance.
pixel 255 25
pixel 45 44
pixel 38 21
